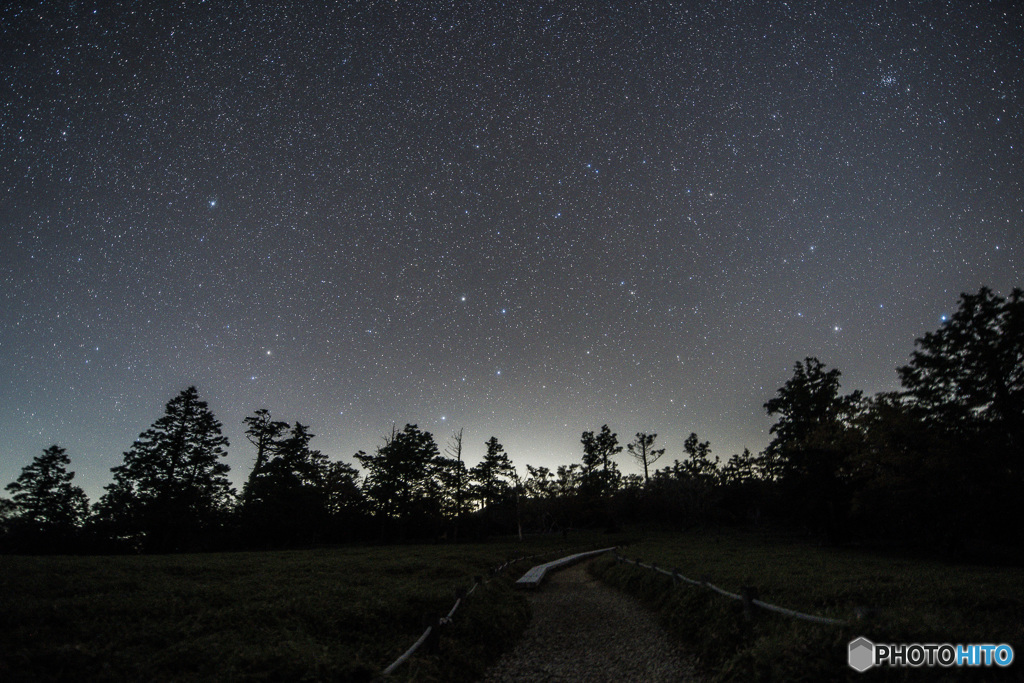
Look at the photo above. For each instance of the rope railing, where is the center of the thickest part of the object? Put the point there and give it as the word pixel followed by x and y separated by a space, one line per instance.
pixel 676 576
pixel 433 629
pixel 408 653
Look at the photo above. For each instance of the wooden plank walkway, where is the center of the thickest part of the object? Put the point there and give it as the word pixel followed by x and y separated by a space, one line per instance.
pixel 534 577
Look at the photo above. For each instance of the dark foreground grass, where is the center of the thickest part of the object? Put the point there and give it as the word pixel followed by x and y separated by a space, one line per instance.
pixel 912 601
pixel 331 614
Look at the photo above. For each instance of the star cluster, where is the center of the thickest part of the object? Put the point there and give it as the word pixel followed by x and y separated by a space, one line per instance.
pixel 525 219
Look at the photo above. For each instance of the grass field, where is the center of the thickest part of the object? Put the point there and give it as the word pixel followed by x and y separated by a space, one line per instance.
pixel 345 614
pixel 331 614
pixel 912 600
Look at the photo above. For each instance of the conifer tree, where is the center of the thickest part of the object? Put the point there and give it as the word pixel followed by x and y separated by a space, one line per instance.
pixel 43 495
pixel 494 477
pixel 397 478
pixel 172 488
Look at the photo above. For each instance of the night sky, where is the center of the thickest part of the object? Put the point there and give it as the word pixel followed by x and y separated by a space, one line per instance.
pixel 525 219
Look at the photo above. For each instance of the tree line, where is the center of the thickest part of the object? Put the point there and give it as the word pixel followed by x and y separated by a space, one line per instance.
pixel 936 465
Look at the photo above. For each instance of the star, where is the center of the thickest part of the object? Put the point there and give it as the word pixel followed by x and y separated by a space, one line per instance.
pixel 657 215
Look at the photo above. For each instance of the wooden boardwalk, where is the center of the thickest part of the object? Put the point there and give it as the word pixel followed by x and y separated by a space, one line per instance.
pixel 535 576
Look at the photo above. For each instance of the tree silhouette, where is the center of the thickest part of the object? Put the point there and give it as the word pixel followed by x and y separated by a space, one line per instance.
pixel 46 508
pixel 541 483
pixel 172 487
pixel 494 477
pixel 698 466
pixel 263 433
pixel 8 511
pixel 458 479
pixel 968 376
pixel 643 451
pixel 741 468
pixel 341 490
pixel 811 415
pixel 287 501
pixel 743 486
pixel 496 490
pixel 814 435
pixel 905 471
pixel 295 460
pixel 686 492
pixel 446 484
pixel 397 478
pixel 568 479
pixel 965 384
pixel 600 475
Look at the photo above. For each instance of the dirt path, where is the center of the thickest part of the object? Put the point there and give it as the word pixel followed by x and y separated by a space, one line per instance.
pixel 583 630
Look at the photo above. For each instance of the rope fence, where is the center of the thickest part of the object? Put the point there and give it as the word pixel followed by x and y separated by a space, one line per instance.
pixel 432 633
pixel 748 597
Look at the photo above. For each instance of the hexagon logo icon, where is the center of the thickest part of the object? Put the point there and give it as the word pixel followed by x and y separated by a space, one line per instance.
pixel 862 654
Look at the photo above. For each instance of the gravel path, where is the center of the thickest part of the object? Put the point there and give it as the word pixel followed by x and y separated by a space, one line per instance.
pixel 583 630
